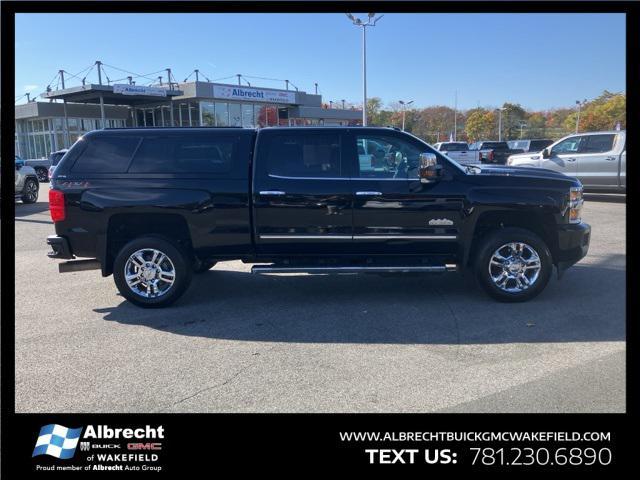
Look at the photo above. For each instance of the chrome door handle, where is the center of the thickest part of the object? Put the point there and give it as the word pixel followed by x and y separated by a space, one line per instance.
pixel 571 159
pixel 368 194
pixel 272 192
pixel 610 159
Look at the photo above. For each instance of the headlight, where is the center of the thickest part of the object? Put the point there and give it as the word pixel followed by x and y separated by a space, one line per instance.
pixel 575 204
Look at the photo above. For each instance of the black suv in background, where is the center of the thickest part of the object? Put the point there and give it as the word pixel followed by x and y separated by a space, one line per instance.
pixel 152 206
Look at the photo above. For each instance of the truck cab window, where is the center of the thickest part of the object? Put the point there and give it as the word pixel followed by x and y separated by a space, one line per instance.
pixel 597 144
pixel 304 155
pixel 386 157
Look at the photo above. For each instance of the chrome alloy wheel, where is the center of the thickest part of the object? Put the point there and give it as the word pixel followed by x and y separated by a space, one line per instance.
pixel 31 191
pixel 149 273
pixel 514 267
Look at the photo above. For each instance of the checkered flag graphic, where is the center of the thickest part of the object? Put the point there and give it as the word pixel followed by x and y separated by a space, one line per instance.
pixel 57 441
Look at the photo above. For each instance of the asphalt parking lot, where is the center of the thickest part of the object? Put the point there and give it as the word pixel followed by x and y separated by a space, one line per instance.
pixel 238 342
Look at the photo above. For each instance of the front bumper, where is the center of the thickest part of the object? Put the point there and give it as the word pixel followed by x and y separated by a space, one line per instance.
pixel 60 248
pixel 573 245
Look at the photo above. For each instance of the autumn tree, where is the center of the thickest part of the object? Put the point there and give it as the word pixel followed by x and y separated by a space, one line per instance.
pixel 481 124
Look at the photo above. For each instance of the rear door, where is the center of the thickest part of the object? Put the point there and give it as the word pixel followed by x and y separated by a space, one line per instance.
pixel 301 193
pixel 598 161
pixel 394 214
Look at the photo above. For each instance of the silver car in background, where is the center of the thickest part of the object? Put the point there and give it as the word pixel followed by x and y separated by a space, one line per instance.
pixel 597 159
pixel 26 182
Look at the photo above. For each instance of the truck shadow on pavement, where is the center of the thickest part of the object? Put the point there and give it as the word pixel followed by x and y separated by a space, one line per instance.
pixel 26 209
pixel 588 305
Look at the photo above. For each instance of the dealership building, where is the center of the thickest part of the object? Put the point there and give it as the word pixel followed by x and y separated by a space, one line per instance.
pixel 46 126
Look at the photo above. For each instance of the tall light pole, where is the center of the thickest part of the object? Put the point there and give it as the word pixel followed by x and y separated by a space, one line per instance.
pixel 455 118
pixel 499 110
pixel 371 22
pixel 580 104
pixel 404 109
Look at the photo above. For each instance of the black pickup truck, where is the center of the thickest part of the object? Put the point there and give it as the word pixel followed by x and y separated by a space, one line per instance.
pixel 152 206
pixel 494 152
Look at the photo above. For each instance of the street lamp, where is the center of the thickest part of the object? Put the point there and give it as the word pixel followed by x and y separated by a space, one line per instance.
pixel 404 109
pixel 371 22
pixel 499 110
pixel 522 125
pixel 580 104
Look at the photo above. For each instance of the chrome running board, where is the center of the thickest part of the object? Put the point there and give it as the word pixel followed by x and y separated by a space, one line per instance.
pixel 450 267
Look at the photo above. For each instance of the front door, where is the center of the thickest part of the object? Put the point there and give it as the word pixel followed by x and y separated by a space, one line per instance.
pixel 564 156
pixel 302 195
pixel 393 212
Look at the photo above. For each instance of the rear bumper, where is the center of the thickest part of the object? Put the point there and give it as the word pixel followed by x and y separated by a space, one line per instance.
pixel 60 248
pixel 573 245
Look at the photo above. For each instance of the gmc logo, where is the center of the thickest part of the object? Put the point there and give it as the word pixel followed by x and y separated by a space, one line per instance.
pixel 144 446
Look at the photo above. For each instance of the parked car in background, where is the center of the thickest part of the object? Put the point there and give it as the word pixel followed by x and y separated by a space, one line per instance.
pixel 55 158
pixel 534 145
pixel 597 159
pixel 459 151
pixel 41 167
pixel 494 152
pixel 26 182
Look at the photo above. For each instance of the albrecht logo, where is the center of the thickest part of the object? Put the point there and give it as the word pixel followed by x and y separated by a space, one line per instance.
pixel 57 441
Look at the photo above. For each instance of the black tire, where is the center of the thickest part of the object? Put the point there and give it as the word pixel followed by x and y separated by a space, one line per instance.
pixel 43 174
pixel 202 267
pixel 484 271
pixel 30 191
pixel 178 259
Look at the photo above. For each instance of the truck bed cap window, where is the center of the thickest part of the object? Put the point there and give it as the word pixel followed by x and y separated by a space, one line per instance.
pixel 106 154
pixel 185 154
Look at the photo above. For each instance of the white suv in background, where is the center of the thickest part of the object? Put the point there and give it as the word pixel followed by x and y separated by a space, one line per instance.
pixel 597 159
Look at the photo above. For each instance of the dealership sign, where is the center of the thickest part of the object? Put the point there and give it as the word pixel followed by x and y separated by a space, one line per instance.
pixel 253 94
pixel 126 89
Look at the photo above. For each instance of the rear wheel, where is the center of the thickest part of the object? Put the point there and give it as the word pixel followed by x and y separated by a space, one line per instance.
pixel 513 265
pixel 43 174
pixel 30 191
pixel 152 272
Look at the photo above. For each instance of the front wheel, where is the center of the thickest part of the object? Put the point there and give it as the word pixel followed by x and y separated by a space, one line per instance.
pixel 152 272
pixel 30 191
pixel 513 265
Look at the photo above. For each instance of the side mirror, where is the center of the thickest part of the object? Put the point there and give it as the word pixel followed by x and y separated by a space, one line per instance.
pixel 546 153
pixel 429 171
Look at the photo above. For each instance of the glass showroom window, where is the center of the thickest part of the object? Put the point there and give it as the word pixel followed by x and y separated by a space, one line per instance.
pixel 208 113
pixel 247 115
pixel 222 114
pixel 235 116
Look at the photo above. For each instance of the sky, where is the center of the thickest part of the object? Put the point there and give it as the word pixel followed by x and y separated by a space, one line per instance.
pixel 540 61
